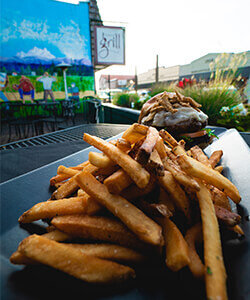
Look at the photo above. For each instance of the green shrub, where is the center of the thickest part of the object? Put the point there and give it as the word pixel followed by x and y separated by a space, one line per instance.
pixel 212 99
pixel 161 87
pixel 125 99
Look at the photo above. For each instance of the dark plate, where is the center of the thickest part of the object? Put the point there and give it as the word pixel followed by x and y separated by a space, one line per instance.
pixel 153 281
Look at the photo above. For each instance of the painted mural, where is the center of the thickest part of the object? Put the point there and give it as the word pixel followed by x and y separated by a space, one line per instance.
pixel 38 35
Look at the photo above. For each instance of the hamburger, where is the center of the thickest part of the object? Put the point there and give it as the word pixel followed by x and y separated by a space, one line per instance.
pixel 179 115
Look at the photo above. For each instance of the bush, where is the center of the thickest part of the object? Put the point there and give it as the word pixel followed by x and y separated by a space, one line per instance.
pixel 212 99
pixel 125 99
pixel 162 87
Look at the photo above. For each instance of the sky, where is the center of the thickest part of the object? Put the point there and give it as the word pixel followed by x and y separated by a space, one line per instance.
pixel 178 31
pixel 33 30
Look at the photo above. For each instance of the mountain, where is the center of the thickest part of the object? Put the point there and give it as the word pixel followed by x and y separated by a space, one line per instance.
pixel 40 60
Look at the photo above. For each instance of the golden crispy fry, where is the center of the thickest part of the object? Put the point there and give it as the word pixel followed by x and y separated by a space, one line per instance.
pixel 73 261
pixel 148 146
pixel 177 255
pixel 57 235
pixel 146 229
pixel 192 237
pixel 168 138
pixel 100 160
pixel 215 274
pixel 171 166
pixel 219 198
pixel 137 173
pixel 98 228
pixel 80 193
pixel 71 185
pixel 118 181
pixel 58 179
pixel 49 209
pixel 17 258
pixel 81 166
pixel 111 252
pixel 95 171
pixel 123 145
pixel 177 194
pixel 219 169
pixel 58 184
pixel 199 155
pixel 197 169
pixel 62 170
pixel 133 192
pixel 215 157
pixel 237 229
pixel 66 189
pixel 104 251
pixel 135 132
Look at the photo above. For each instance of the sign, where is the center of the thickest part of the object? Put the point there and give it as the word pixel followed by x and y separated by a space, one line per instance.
pixel 109 45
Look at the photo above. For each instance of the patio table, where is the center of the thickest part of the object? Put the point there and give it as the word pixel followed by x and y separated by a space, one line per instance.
pixel 18 193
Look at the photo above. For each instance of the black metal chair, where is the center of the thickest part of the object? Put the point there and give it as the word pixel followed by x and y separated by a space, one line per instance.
pixel 14 114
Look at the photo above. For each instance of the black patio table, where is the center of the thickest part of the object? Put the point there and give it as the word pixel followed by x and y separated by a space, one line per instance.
pixel 21 192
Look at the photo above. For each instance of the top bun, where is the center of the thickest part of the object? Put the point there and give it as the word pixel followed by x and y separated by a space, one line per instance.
pixel 173 112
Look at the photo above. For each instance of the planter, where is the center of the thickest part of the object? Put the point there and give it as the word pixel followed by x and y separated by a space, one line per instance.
pixel 119 115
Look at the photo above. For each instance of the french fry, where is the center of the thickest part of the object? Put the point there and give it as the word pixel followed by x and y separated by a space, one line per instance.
pixel 227 217
pixel 146 229
pixel 71 185
pixel 104 251
pixel 98 228
pixel 154 210
pixel 237 229
pixel 135 132
pixel 215 158
pixel 57 235
pixel 170 165
pixel 123 145
pixel 62 170
pixel 133 192
pixel 219 169
pixel 164 198
pixel 154 165
pixel 137 173
pixel 192 237
pixel 168 138
pixel 66 189
pixel 17 258
pixel 215 274
pixel 148 146
pixel 100 160
pixel 199 155
pixel 58 179
pixel 118 181
pixel 177 194
pixel 197 169
pixel 177 256
pixel 49 209
pixel 219 198
pixel 73 261
pixel 111 252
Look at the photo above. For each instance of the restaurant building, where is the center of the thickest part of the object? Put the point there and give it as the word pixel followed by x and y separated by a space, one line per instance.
pixel 199 69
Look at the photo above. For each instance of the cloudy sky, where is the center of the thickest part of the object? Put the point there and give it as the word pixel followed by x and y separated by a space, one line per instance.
pixel 179 31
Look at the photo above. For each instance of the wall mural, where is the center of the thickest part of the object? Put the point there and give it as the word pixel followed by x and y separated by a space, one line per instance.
pixel 38 35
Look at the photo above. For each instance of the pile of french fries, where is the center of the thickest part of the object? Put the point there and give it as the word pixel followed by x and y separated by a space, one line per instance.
pixel 130 201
